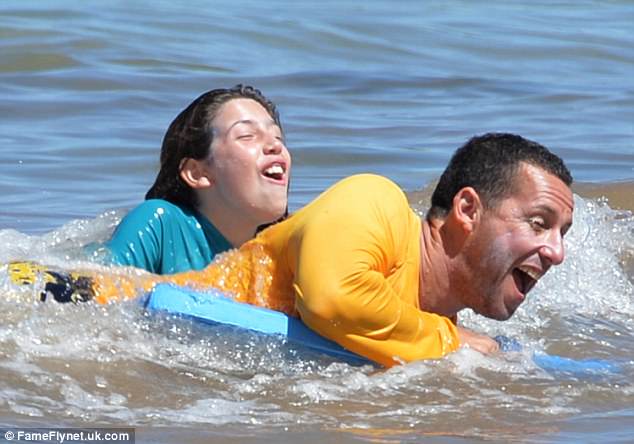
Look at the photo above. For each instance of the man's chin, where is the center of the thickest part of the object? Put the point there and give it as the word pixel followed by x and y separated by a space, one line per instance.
pixel 505 316
pixel 498 313
pixel 507 313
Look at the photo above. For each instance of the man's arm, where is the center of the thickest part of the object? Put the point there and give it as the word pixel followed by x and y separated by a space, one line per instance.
pixel 350 256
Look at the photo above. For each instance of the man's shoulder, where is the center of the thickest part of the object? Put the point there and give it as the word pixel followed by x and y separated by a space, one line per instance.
pixel 368 181
pixel 371 186
pixel 358 194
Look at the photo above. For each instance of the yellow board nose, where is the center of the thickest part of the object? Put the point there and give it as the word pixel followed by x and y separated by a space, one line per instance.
pixel 26 273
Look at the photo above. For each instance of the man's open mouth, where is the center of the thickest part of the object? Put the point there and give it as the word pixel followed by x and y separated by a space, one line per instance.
pixel 525 278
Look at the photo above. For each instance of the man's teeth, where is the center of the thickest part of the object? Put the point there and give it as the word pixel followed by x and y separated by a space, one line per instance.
pixel 535 275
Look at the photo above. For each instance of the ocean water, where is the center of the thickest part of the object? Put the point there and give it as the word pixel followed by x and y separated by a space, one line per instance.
pixel 88 89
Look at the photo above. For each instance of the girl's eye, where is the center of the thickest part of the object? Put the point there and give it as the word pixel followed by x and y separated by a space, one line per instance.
pixel 245 136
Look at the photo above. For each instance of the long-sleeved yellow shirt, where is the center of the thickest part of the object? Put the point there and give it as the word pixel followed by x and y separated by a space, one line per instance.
pixel 348 264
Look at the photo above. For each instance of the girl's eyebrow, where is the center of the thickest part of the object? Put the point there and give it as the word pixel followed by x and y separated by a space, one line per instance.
pixel 270 122
pixel 237 122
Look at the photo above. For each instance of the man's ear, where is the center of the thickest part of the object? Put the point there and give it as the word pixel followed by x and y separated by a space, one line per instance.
pixel 467 208
pixel 196 173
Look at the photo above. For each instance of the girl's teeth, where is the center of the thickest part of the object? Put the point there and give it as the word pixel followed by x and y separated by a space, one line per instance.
pixel 275 169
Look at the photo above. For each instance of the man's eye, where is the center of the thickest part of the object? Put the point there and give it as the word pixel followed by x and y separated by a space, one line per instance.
pixel 537 223
pixel 565 230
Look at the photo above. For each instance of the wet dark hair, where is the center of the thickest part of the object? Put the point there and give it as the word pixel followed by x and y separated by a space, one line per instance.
pixel 489 164
pixel 190 135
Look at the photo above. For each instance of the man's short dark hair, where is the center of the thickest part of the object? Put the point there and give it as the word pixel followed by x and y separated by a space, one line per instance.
pixel 489 164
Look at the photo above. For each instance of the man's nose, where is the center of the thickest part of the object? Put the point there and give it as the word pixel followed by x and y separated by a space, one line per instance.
pixel 553 249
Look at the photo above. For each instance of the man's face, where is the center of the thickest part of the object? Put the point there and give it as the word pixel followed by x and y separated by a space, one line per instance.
pixel 516 243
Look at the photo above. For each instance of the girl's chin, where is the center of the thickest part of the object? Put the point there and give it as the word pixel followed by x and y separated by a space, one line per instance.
pixel 270 215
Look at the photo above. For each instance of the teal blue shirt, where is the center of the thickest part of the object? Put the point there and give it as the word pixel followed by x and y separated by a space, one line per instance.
pixel 164 238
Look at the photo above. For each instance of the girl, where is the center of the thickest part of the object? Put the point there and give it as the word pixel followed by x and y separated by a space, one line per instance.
pixel 224 172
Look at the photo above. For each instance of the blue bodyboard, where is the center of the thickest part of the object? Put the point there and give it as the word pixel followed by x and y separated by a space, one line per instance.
pixel 214 308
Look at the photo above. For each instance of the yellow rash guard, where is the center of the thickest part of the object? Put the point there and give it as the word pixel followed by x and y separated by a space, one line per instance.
pixel 347 264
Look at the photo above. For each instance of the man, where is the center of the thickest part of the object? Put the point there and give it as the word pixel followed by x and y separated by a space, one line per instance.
pixel 500 212
pixel 358 266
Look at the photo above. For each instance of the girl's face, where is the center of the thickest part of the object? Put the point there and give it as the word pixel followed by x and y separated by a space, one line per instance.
pixel 250 164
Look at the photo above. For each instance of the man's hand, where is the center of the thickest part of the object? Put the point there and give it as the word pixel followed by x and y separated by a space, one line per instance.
pixel 476 341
